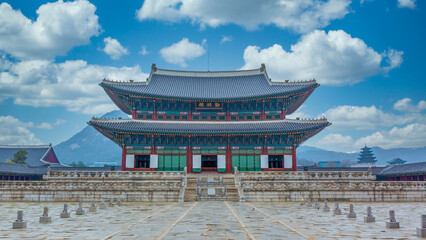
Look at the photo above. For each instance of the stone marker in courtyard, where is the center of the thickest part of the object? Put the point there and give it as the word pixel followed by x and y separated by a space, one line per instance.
pixel 80 210
pixel 326 208
pixel 309 202
pixel 351 213
pixel 421 231
pixel 111 202
pixel 19 223
pixel 302 201
pixel 65 213
pixel 392 221
pixel 119 201
pixel 369 217
pixel 45 218
pixel 103 206
pixel 337 210
pixel 92 207
pixel 317 206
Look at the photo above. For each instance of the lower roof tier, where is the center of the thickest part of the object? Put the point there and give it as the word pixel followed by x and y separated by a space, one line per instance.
pixel 215 128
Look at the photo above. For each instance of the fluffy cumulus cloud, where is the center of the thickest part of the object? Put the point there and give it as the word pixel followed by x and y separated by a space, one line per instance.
pixel 406 105
pixel 364 118
pixel 333 58
pixel 298 15
pixel 335 141
pixel 13 131
pixel 113 48
pixel 182 51
pixel 226 39
pixel 407 3
pixel 58 27
pixel 72 84
pixel 412 135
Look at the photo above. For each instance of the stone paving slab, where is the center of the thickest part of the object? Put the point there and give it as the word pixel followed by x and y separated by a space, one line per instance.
pixel 211 220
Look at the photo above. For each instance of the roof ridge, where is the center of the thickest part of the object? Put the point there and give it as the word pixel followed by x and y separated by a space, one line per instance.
pixel 25 146
pixel 314 120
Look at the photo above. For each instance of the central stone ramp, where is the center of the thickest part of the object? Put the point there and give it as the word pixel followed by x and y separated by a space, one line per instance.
pixel 211 187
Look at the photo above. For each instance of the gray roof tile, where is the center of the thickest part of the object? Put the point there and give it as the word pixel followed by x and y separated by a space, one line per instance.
pixel 191 127
pixel 209 85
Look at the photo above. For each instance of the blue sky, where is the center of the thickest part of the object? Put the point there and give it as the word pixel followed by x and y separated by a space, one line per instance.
pixel 367 55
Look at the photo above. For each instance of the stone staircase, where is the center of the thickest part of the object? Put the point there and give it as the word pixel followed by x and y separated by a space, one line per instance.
pixel 210 187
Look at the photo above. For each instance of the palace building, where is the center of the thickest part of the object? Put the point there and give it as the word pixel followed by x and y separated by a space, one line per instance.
pixel 209 121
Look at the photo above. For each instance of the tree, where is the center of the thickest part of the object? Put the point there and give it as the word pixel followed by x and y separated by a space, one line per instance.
pixel 78 164
pixel 20 156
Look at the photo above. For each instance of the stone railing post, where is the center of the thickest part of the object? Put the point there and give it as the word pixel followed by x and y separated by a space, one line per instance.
pixel 184 184
pixel 238 185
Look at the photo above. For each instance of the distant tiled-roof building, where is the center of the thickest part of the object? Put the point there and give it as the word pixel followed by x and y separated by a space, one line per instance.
pixel 39 158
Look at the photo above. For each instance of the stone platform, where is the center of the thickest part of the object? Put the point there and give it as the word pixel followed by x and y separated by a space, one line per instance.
pixel 211 220
pixel 140 186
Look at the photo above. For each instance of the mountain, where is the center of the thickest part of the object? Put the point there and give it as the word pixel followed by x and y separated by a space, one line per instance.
pixel 411 155
pixel 90 146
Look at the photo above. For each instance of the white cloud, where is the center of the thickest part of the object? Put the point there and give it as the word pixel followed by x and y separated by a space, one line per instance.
pixel 15 132
pixel 298 15
pixel 334 142
pixel 72 84
pixel 143 51
pixel 180 52
pixel 59 27
pixel 361 117
pixel 412 135
pixel 407 3
pixel 113 48
pixel 333 58
pixel 226 39
pixel 406 105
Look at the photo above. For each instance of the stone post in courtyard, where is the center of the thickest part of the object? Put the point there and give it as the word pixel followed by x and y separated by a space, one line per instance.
pixel 351 213
pixel 92 207
pixel 65 213
pixel 80 210
pixel 337 210
pixel 392 221
pixel 19 223
pixel 317 206
pixel 103 206
pixel 45 217
pixel 369 217
pixel 326 208
pixel 309 202
pixel 421 231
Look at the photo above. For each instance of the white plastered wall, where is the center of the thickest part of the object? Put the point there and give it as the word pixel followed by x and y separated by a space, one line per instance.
pixel 153 161
pixel 196 161
pixel 130 161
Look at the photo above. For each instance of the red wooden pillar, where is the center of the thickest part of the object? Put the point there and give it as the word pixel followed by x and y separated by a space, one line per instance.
pixel 229 161
pixel 262 117
pixel 282 114
pixel 227 117
pixel 154 117
pixel 293 155
pixel 190 111
pixel 123 158
pixel 134 114
pixel 189 157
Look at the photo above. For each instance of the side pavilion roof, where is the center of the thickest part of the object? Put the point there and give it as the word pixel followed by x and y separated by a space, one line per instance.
pixel 191 127
pixel 222 85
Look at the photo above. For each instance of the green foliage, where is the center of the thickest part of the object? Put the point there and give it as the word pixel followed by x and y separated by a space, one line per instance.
pixel 19 157
pixel 78 164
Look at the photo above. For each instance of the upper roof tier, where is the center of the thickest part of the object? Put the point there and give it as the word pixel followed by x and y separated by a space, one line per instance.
pixel 221 85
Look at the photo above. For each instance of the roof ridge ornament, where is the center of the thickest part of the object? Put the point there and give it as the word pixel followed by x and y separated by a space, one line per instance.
pixel 153 67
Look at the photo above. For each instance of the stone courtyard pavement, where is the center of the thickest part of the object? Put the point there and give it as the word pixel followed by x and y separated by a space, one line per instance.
pixel 211 220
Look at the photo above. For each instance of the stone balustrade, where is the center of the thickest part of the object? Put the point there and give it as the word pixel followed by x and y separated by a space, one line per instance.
pixel 111 175
pixel 311 175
